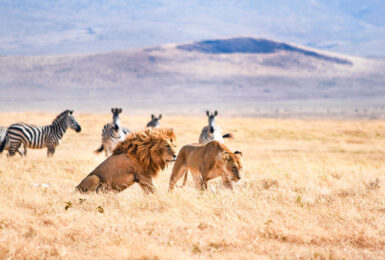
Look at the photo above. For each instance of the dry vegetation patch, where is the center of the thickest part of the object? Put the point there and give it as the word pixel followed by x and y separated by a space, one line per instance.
pixel 310 189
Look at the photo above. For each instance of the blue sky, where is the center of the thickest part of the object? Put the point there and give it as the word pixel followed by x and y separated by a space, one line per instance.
pixel 65 26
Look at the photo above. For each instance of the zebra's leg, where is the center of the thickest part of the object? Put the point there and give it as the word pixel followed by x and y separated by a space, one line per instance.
pixel 24 149
pixel 13 147
pixel 50 150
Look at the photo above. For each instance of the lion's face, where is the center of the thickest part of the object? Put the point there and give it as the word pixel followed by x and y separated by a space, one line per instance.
pixel 233 165
pixel 167 150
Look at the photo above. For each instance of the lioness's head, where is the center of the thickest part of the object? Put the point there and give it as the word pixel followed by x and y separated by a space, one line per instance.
pixel 233 165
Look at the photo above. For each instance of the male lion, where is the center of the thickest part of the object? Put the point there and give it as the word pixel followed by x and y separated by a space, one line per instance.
pixel 139 158
pixel 207 162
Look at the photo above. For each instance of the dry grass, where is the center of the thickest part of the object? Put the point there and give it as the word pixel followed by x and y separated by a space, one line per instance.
pixel 310 189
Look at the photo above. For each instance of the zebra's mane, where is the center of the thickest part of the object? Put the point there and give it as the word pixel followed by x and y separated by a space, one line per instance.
pixel 62 115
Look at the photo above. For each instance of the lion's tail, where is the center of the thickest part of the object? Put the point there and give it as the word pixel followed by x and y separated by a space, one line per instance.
pixel 229 135
pixel 100 149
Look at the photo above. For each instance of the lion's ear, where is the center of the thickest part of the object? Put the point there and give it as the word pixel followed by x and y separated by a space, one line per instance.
pixel 238 154
pixel 225 156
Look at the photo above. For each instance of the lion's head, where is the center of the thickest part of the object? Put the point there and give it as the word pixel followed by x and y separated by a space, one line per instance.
pixel 233 165
pixel 152 147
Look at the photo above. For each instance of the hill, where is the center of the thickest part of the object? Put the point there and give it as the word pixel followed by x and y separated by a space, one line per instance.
pixel 240 75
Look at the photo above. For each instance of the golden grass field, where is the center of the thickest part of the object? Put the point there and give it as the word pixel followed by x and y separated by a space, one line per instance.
pixel 310 189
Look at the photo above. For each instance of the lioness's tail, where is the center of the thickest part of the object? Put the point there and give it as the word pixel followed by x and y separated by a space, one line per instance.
pixel 101 148
pixel 89 183
pixel 229 135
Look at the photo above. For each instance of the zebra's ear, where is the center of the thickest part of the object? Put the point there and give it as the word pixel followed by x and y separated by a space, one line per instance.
pixel 71 111
pixel 215 113
pixel 208 113
pixel 112 110
pixel 160 116
pixel 152 116
pixel 120 110
pixel 238 154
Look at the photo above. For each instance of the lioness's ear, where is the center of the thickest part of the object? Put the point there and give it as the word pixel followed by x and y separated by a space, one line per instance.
pixel 207 113
pixel 225 156
pixel 238 154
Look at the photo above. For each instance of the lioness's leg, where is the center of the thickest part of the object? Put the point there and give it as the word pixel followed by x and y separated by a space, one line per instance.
pixel 199 184
pixel 177 172
pixel 146 183
pixel 227 182
pixel 90 183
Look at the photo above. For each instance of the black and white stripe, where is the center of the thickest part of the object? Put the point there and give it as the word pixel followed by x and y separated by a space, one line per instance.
pixel 154 121
pixel 212 131
pixel 4 140
pixel 112 133
pixel 37 137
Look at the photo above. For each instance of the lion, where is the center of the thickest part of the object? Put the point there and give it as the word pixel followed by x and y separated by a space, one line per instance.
pixel 207 162
pixel 139 158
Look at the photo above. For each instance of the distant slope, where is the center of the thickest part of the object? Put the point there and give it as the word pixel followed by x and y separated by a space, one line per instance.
pixel 237 74
pixel 255 46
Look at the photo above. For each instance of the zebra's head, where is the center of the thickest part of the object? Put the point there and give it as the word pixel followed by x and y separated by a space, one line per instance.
pixel 154 121
pixel 115 117
pixel 211 119
pixel 71 121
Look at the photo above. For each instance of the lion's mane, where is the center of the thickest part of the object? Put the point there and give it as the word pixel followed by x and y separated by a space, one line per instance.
pixel 145 146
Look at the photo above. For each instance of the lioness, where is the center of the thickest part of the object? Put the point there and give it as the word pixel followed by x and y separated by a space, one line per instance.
pixel 139 158
pixel 205 163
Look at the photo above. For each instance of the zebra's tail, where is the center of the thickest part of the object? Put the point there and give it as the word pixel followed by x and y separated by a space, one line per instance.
pixel 2 145
pixel 101 148
pixel 230 136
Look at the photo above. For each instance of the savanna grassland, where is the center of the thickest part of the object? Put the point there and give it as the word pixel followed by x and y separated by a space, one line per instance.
pixel 310 189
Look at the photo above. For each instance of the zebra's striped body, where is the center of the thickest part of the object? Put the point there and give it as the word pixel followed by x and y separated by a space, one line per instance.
pixel 154 121
pixel 112 133
pixel 37 137
pixel 212 131
pixel 4 140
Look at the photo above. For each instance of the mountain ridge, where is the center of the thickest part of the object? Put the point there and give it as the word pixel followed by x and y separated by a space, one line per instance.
pixel 170 75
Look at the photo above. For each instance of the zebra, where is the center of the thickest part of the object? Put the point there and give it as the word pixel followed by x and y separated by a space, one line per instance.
pixel 37 137
pixel 154 121
pixel 4 137
pixel 212 131
pixel 112 133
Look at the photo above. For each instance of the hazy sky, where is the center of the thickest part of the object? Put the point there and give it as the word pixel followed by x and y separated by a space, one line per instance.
pixel 65 26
